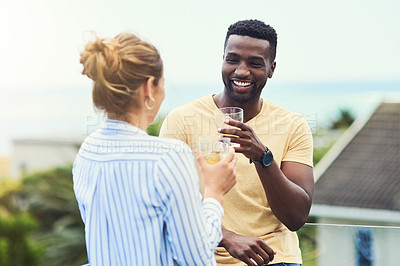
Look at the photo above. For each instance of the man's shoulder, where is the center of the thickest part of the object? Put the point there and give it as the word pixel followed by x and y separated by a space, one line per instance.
pixel 273 108
pixel 199 103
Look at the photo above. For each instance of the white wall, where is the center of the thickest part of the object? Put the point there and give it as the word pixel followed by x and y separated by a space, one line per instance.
pixel 35 155
pixel 336 243
pixel 387 246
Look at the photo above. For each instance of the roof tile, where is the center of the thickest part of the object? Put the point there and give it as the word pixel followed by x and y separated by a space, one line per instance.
pixel 366 173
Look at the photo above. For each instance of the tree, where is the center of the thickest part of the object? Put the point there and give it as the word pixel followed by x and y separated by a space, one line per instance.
pixel 16 246
pixel 48 197
pixel 345 119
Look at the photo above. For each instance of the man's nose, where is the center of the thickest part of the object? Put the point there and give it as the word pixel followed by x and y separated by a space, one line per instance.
pixel 242 70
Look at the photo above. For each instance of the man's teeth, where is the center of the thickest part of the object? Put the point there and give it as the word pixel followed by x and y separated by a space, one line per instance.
pixel 241 83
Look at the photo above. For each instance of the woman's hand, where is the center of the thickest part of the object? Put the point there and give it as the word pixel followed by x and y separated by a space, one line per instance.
pixel 219 178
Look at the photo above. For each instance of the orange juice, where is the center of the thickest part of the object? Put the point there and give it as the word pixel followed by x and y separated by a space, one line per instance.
pixel 213 157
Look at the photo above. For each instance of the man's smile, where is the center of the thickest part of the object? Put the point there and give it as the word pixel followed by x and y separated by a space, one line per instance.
pixel 241 85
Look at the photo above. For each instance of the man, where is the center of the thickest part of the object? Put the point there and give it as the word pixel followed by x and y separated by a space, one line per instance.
pixel 275 183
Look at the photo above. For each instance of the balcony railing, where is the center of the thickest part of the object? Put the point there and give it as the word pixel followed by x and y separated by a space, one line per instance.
pixel 358 245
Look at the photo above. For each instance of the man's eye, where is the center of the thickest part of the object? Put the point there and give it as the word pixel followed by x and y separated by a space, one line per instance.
pixel 231 60
pixel 255 64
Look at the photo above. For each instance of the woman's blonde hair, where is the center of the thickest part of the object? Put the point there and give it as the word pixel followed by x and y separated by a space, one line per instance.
pixel 118 66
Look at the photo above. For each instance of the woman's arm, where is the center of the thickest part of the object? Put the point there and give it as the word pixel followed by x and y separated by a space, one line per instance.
pixel 193 225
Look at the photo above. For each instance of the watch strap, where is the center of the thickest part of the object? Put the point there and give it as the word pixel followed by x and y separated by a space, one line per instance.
pixel 261 160
pixel 255 162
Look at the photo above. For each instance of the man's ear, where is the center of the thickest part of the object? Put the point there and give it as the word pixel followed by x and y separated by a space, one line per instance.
pixel 272 69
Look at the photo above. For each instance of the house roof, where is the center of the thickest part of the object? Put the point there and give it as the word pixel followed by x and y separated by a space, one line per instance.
pixel 365 172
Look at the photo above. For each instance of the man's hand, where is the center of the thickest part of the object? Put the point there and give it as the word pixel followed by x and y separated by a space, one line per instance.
pixel 250 145
pixel 249 249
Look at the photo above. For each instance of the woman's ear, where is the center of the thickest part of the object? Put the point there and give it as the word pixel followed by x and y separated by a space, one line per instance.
pixel 148 90
pixel 149 87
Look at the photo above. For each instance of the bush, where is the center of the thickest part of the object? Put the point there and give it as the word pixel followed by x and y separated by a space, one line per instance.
pixel 16 246
pixel 48 197
pixel 154 128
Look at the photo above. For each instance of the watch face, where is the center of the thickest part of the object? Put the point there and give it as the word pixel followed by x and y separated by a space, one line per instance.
pixel 267 159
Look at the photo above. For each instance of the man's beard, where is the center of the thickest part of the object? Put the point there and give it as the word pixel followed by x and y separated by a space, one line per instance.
pixel 242 98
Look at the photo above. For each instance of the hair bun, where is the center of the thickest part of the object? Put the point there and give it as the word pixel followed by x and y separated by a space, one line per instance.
pixel 118 67
pixel 100 58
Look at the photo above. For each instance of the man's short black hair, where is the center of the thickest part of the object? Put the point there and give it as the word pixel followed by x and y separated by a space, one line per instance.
pixel 256 29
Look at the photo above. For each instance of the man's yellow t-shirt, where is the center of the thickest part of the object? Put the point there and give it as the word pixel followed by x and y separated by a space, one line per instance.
pixel 247 211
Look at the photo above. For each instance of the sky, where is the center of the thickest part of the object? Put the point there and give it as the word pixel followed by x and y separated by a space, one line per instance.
pixel 318 41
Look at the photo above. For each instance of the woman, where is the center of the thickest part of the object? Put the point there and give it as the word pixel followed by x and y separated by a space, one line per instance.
pixel 139 195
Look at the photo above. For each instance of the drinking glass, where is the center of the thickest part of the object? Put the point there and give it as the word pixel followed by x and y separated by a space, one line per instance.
pixel 214 149
pixel 220 114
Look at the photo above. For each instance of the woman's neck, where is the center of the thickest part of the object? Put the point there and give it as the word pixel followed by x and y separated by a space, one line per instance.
pixel 138 119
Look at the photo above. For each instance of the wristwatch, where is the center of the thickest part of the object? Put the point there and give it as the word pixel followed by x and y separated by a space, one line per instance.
pixel 265 159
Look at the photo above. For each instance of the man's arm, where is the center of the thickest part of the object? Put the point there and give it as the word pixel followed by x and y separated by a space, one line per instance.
pixel 293 180
pixel 296 182
pixel 292 209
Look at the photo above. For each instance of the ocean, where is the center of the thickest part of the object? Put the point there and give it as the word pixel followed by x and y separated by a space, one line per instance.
pixel 64 113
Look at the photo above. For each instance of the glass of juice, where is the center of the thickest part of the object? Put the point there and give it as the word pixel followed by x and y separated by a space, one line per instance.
pixel 214 149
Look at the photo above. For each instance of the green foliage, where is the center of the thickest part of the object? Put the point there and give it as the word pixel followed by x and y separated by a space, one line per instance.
pixel 154 128
pixel 308 244
pixel 319 153
pixel 331 135
pixel 49 198
pixel 16 247
pixel 345 119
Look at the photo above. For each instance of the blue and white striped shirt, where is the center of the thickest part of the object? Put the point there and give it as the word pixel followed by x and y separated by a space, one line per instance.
pixel 140 201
